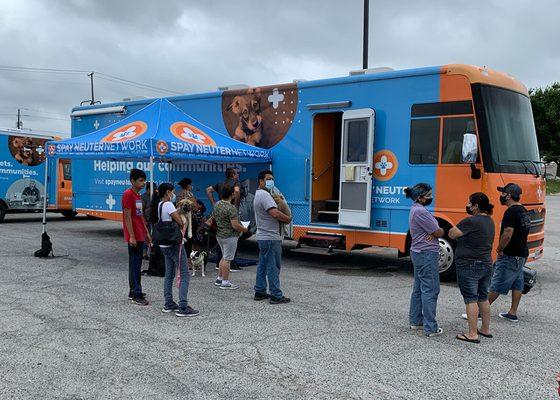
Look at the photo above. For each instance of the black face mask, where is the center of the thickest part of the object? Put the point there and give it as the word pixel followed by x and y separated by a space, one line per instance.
pixel 469 210
pixel 503 200
pixel 427 202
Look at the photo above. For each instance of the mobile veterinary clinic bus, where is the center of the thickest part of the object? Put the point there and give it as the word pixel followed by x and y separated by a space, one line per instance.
pixel 345 148
pixel 22 175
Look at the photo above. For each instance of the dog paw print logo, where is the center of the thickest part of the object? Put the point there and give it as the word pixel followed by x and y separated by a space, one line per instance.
pixel 191 134
pixel 162 147
pixel 385 165
pixel 126 132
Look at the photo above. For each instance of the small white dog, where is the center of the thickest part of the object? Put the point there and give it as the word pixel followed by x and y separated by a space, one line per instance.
pixel 198 262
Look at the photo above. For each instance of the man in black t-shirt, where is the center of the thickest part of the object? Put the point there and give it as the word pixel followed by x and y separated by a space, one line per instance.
pixel 512 251
pixel 232 179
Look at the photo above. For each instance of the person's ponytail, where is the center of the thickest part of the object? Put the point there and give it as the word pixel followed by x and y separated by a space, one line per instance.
pixel 154 214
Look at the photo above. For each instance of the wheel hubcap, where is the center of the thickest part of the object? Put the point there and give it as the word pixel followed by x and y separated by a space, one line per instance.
pixel 446 255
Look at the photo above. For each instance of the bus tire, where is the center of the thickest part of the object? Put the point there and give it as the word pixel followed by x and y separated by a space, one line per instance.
pixel 2 211
pixel 446 262
pixel 69 214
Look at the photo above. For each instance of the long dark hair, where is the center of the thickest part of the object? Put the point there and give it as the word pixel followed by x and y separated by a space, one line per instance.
pixel 482 201
pixel 156 198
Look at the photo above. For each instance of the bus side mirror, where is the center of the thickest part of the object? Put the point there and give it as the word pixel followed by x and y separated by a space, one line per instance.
pixel 469 153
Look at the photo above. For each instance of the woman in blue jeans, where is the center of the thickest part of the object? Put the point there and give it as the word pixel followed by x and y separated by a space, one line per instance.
pixel 424 251
pixel 175 255
pixel 473 260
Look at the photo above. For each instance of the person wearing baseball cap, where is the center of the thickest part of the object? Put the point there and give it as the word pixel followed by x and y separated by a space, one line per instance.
pixel 512 250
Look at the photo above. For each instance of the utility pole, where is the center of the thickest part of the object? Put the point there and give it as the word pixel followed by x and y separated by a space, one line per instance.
pixel 19 123
pixel 92 101
pixel 366 34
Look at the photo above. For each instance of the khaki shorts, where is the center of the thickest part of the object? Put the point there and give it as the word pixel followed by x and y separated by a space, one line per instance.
pixel 228 247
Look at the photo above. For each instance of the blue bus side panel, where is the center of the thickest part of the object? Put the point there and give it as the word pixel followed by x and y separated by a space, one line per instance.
pixel 391 99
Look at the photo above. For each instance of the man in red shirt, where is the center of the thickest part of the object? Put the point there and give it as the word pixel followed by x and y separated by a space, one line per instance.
pixel 135 234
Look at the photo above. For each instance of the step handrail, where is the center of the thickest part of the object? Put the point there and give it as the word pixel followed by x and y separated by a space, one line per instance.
pixel 316 178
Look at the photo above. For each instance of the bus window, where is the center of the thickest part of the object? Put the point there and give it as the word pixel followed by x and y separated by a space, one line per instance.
pixel 453 131
pixel 424 141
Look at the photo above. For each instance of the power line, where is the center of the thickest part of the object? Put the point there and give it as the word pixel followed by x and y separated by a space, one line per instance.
pixel 109 77
pixel 43 117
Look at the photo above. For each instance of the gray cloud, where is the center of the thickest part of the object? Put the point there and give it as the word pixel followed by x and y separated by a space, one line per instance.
pixel 193 46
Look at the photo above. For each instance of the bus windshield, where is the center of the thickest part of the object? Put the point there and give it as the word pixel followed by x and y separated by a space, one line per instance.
pixel 510 130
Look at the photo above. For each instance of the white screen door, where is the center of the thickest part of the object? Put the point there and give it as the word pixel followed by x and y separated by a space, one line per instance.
pixel 356 167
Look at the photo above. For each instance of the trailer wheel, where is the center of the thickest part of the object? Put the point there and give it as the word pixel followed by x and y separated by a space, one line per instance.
pixel 2 212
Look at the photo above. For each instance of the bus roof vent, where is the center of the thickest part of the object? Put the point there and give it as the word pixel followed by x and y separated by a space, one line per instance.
pixel 133 98
pixel 233 87
pixel 377 70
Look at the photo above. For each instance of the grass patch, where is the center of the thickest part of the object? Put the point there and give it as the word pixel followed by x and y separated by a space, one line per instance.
pixel 552 186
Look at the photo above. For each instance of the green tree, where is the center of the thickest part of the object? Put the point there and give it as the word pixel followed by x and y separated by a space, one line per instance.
pixel 546 111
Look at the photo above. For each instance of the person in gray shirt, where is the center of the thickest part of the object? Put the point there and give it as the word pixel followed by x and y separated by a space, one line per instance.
pixel 268 219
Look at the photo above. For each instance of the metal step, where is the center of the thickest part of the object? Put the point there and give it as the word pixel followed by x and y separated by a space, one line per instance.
pixel 328 216
pixel 332 205
pixel 317 251
pixel 323 240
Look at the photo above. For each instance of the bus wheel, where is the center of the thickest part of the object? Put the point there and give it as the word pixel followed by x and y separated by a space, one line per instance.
pixel 446 258
pixel 69 214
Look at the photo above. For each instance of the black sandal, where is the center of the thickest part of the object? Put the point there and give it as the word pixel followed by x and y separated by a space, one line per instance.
pixel 489 336
pixel 464 338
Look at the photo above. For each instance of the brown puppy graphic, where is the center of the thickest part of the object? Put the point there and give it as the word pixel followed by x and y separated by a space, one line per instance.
pixel 25 156
pixel 248 109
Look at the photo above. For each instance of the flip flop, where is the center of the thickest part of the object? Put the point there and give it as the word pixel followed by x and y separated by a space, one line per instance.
pixel 466 339
pixel 489 336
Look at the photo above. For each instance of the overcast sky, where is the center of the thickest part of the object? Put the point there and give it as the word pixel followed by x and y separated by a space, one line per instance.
pixel 190 46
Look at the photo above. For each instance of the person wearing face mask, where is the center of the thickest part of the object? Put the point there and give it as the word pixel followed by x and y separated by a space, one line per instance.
pixel 512 251
pixel 268 219
pixel 473 260
pixel 424 251
pixel 175 255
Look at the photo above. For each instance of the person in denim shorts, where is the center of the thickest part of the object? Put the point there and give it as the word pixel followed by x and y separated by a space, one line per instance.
pixel 424 251
pixel 512 251
pixel 473 260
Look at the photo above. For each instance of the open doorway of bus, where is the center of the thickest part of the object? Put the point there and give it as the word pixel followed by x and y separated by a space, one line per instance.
pixel 64 189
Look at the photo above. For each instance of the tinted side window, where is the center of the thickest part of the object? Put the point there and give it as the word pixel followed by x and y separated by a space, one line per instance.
pixel 453 131
pixel 424 141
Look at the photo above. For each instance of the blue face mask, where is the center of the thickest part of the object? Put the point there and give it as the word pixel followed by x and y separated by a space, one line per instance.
pixel 173 198
pixel 269 185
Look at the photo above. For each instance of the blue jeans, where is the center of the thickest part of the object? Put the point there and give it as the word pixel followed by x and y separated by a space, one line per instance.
pixel 172 262
pixel 473 278
pixel 134 267
pixel 425 293
pixel 508 274
pixel 270 257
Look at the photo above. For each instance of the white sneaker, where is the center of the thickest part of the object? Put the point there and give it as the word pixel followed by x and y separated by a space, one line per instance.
pixel 416 327
pixel 229 286
pixel 464 316
pixel 436 333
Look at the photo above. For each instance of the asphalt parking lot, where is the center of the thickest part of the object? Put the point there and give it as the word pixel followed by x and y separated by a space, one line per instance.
pixel 67 330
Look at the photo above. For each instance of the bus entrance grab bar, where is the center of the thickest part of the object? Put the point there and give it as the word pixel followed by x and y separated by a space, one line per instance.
pixel 306 173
